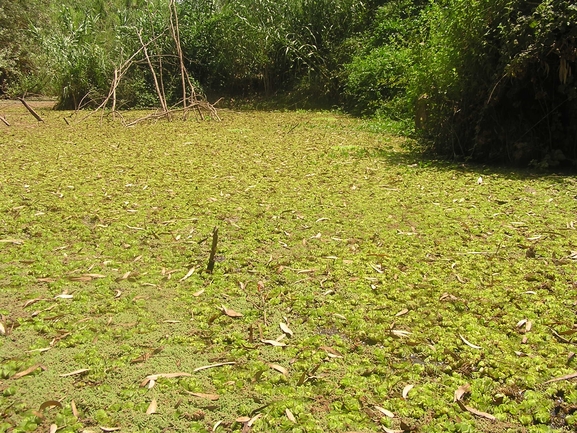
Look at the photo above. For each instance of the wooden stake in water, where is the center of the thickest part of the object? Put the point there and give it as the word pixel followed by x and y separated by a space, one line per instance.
pixel 210 266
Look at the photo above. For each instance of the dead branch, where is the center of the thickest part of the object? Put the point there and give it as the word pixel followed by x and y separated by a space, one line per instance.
pixel 4 121
pixel 31 110
pixel 176 36
pixel 211 258
pixel 121 71
pixel 158 91
pixel 197 105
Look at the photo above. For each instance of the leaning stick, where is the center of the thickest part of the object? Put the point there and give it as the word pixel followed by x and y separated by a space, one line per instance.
pixel 211 259
pixel 4 121
pixel 31 110
pixel 156 85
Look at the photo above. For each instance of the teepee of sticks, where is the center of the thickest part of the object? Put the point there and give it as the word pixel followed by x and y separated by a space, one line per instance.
pixel 191 100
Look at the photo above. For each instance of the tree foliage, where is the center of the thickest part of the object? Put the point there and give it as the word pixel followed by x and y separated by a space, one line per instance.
pixel 484 79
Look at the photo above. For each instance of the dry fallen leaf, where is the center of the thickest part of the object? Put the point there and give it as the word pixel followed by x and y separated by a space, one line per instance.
pixel 73 373
pixel 400 333
pixel 230 313
pixel 242 419
pixel 212 397
pixel 49 403
pixel 290 415
pixel 253 419
pixel 74 410
pixel 390 430
pixel 2 329
pixel 469 343
pixel 279 368
pixel 402 312
pixel 477 412
pixel 197 294
pixel 188 274
pixel 109 429
pixel 566 377
pixel 461 391
pixel 406 390
pixel 33 301
pixel 385 411
pixel 273 343
pixel 216 424
pixel 220 364
pixel 11 241
pixel 284 327
pixel 28 371
pixel 332 353
pixel 64 296
pixel 151 407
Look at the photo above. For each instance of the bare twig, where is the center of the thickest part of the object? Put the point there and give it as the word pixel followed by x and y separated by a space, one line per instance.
pixel 156 84
pixel 4 121
pixel 31 110
pixel 176 36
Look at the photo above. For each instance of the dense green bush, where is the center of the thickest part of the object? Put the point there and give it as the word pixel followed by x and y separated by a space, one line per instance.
pixel 379 77
pixel 18 48
pixel 496 80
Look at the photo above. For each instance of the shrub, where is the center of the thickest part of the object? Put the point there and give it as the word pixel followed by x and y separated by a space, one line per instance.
pixel 497 79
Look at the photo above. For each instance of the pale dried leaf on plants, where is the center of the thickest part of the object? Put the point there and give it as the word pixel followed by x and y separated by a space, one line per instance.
pixel 528 326
pixel 220 364
pixel 44 349
pixel 461 391
pixel 49 403
pixel 152 407
pixel 11 241
pixel 385 411
pixel 188 274
pixel 151 379
pixel 521 323
pixel 273 343
pixel 109 429
pixel 566 377
pixel 75 372
pixel 197 294
pixel 390 430
pixel 406 390
pixel 284 327
pixel 447 297
pixel 94 275
pixel 253 419
pixel 212 397
pixel 402 312
pixel 290 415
pixel 476 412
pixel 2 329
pixel 28 371
pixel 468 343
pixel 33 301
pixel 279 368
pixel 64 296
pixel 400 333
pixel 216 424
pixel 53 428
pixel 332 353
pixel 243 419
pixel 230 313
pixel 74 409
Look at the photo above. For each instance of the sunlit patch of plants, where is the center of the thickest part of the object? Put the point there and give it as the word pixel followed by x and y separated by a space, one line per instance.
pixel 356 285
